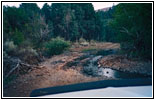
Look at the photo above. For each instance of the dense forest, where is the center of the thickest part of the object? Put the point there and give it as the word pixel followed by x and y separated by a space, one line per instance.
pixel 31 34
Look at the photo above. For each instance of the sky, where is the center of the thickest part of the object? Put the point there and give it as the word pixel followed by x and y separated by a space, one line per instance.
pixel 97 5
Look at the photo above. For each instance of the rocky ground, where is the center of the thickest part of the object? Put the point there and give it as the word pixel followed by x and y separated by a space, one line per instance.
pixel 72 67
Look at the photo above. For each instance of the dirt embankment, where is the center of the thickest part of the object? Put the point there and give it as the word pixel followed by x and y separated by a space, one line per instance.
pixel 56 70
pixel 122 63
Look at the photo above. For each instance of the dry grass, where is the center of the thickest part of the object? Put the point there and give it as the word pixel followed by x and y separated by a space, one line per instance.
pixel 45 77
pixel 102 45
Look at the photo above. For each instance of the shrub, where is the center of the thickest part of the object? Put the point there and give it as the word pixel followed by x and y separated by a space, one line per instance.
pixel 5 55
pixel 56 46
pixel 93 42
pixel 29 55
pixel 81 40
pixel 8 63
pixel 27 43
pixel 28 50
pixel 9 47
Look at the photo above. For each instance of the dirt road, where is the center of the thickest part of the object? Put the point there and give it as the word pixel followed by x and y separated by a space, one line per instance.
pixel 51 72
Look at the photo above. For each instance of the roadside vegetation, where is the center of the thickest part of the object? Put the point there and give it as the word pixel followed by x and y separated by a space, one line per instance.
pixel 32 35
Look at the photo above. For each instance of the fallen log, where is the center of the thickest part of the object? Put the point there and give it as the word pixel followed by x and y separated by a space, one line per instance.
pixel 13 69
pixel 19 64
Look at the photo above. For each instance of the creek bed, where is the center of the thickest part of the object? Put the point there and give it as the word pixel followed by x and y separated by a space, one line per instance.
pixel 92 68
pixel 89 66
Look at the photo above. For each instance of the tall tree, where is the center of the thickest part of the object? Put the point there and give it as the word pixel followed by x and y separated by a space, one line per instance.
pixel 46 12
pixel 107 33
pixel 31 9
pixel 14 19
pixel 88 21
pixel 64 22
pixel 134 25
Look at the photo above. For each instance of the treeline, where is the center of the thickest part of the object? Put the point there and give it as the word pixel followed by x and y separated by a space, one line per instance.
pixel 68 20
pixel 30 32
pixel 129 24
pixel 106 17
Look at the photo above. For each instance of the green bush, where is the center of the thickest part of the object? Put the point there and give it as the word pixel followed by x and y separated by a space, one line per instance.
pixel 56 46
pixel 18 37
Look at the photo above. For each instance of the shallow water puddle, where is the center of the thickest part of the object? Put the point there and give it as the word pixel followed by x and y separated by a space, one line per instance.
pixel 119 74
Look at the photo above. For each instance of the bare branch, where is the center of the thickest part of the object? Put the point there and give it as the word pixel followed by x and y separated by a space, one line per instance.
pixel 19 64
